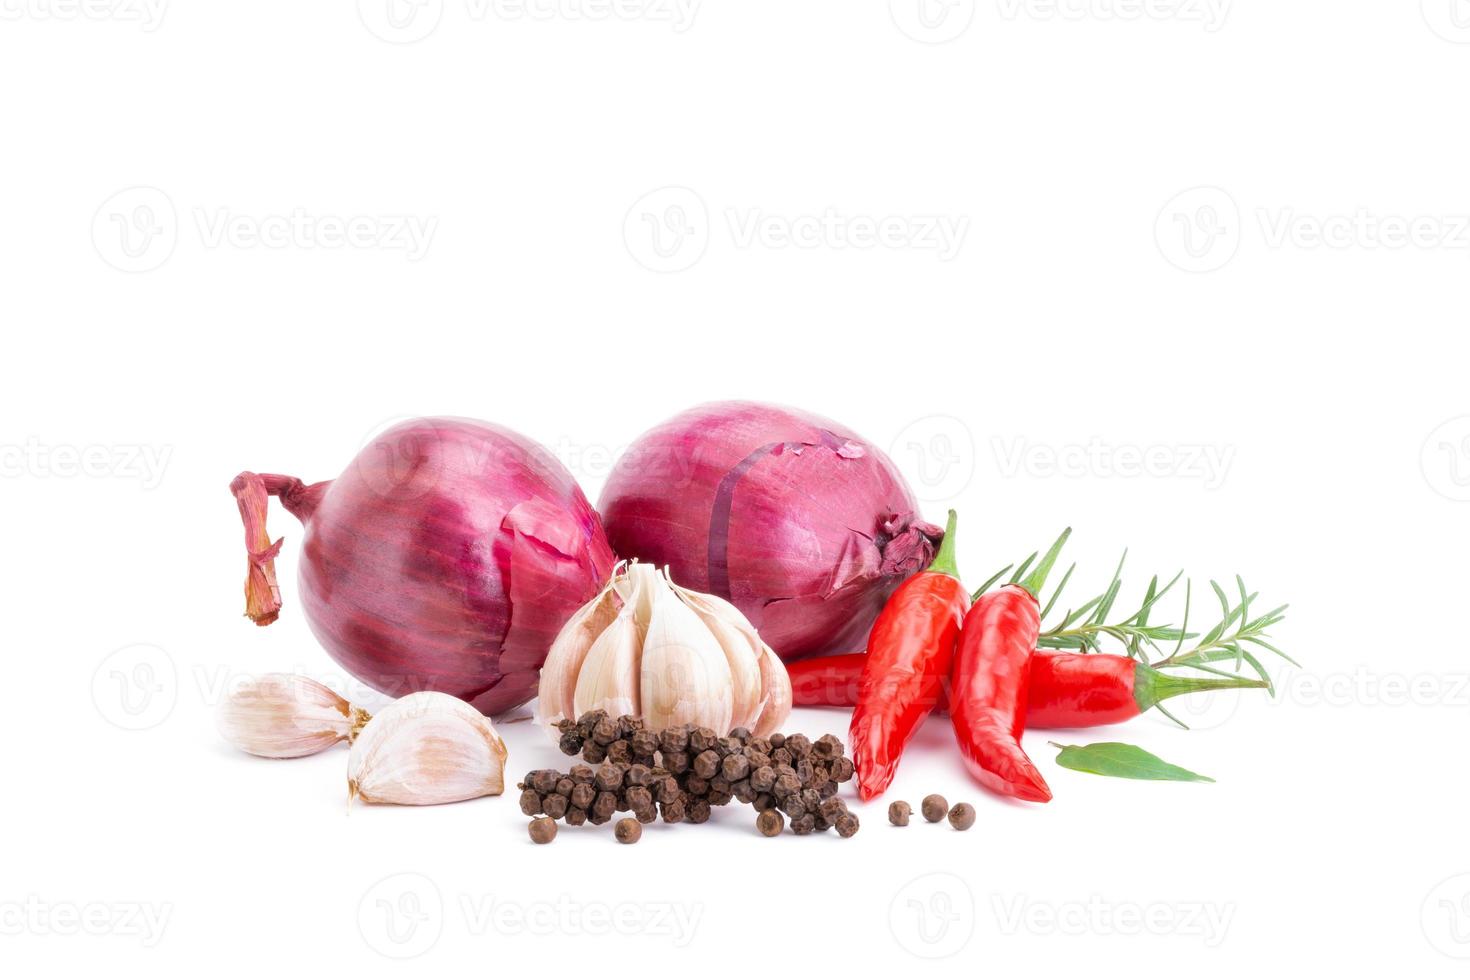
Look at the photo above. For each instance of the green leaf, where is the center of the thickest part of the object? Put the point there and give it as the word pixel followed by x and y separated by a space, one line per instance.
pixel 1123 760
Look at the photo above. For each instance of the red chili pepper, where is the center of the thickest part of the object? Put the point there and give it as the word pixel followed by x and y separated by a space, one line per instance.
pixel 992 671
pixel 1067 690
pixel 910 650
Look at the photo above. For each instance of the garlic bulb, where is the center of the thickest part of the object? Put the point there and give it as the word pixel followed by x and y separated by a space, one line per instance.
pixel 285 716
pixel 426 748
pixel 649 648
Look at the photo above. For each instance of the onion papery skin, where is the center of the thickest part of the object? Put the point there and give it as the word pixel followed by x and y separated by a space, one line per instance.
pixel 446 557
pixel 801 523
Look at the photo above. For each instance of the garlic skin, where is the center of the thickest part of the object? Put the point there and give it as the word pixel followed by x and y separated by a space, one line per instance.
pixel 424 749
pixel 647 647
pixel 286 716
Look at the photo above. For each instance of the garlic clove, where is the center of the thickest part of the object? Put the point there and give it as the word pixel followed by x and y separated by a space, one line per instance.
pixel 742 648
pixel 608 680
pixel 776 694
pixel 685 678
pixel 423 749
pixel 555 697
pixel 638 591
pixel 286 716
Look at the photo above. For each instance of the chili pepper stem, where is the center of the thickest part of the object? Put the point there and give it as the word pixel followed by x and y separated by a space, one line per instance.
pixel 944 561
pixel 1037 579
pixel 1152 686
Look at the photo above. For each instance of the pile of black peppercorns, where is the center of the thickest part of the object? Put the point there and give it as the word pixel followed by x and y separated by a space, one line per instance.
pixel 681 773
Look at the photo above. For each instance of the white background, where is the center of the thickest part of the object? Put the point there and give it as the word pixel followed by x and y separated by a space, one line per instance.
pixel 1179 231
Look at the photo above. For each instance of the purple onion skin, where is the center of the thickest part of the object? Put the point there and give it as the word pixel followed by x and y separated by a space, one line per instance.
pixel 801 523
pixel 446 558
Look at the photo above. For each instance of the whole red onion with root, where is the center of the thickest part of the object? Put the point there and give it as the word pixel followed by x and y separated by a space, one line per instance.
pixel 801 523
pixel 446 557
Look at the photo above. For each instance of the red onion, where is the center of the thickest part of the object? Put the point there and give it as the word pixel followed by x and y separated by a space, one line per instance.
pixel 806 527
pixel 445 558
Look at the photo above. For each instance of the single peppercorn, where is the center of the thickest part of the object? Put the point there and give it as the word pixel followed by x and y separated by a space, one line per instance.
pixel 846 824
pixel 628 831
pixel 898 813
pixel 934 807
pixel 770 823
pixel 962 816
pixel 543 830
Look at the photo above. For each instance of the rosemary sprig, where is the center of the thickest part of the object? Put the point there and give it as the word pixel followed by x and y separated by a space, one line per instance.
pixel 1238 636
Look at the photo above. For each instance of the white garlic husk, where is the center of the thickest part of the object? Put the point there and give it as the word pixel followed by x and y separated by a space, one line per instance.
pixel 286 716
pixel 647 647
pixel 423 749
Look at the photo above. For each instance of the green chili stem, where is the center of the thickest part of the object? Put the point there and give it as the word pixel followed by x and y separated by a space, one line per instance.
pixel 944 559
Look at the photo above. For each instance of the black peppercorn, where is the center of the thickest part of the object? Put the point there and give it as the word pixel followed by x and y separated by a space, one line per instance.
pixel 543 830
pixel 735 767
pixel 934 807
pixel 530 802
pixel 609 776
pixel 846 825
pixel 706 764
pixel 702 740
pixel 576 816
pixel 554 806
pixel 962 816
pixel 898 813
pixel 769 823
pixel 605 732
pixel 628 831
